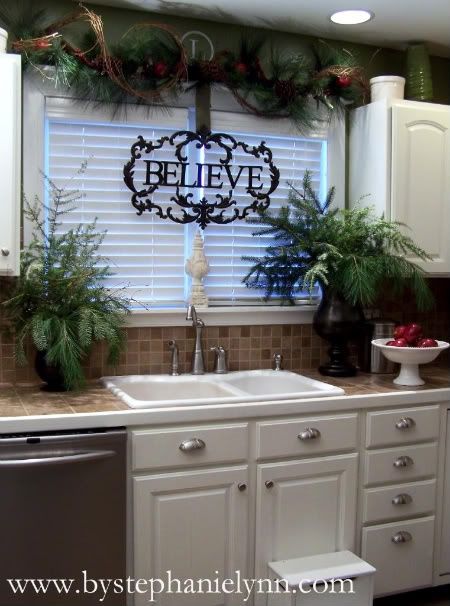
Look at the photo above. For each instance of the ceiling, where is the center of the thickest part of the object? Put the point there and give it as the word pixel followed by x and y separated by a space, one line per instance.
pixel 396 21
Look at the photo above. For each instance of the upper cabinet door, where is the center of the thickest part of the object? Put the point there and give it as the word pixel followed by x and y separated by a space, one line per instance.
pixel 10 160
pixel 420 178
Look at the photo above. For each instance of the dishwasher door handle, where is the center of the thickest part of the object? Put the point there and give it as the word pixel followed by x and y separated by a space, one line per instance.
pixel 81 457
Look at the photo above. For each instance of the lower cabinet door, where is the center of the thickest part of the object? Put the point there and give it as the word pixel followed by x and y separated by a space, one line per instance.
pixel 304 508
pixel 402 553
pixel 190 527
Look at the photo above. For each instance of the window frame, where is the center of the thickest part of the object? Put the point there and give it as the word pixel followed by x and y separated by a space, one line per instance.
pixel 37 88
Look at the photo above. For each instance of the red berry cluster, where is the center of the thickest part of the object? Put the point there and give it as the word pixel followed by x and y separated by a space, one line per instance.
pixel 411 335
pixel 241 68
pixel 344 81
pixel 160 69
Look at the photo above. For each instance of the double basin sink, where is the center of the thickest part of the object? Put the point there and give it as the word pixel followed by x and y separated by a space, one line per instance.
pixel 162 391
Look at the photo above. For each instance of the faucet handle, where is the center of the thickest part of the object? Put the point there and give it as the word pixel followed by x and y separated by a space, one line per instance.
pixel 220 360
pixel 277 361
pixel 173 346
pixel 190 313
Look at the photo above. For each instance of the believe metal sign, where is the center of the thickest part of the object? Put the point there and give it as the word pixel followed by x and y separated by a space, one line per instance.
pixel 218 179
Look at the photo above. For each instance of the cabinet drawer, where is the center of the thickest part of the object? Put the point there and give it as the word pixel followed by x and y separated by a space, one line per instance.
pixel 400 464
pixel 401 501
pixel 189 446
pixel 392 427
pixel 403 565
pixel 308 436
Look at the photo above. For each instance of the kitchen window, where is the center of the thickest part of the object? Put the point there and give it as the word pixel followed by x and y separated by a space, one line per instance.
pixel 147 254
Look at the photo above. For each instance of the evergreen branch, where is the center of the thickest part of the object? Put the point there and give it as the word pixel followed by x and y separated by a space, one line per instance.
pixel 351 251
pixel 60 301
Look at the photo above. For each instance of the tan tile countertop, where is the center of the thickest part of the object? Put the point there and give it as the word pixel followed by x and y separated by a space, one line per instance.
pixel 366 383
pixel 21 400
pixel 30 400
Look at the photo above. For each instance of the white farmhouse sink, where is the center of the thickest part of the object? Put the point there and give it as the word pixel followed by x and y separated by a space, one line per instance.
pixel 280 384
pixel 161 391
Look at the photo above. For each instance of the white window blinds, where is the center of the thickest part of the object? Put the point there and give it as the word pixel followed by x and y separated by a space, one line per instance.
pixel 225 245
pixel 145 253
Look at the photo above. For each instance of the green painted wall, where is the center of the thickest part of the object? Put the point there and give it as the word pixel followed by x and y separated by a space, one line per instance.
pixel 224 35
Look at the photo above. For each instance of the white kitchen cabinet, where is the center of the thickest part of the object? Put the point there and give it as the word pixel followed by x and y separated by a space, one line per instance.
pixel 305 508
pixel 254 491
pixel 444 558
pixel 307 437
pixel 400 497
pixel 399 501
pixel 402 553
pixel 404 464
pixel 400 157
pixel 10 162
pixel 207 445
pixel 194 524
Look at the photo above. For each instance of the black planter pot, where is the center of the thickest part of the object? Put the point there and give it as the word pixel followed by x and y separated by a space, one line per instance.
pixel 51 375
pixel 337 321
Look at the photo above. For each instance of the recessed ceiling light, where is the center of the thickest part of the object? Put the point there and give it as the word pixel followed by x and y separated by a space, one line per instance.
pixel 351 17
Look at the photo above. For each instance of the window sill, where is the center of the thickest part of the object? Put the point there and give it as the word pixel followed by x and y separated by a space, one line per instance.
pixel 226 316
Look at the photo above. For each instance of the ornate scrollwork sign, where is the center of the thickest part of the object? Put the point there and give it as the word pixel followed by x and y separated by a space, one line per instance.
pixel 146 176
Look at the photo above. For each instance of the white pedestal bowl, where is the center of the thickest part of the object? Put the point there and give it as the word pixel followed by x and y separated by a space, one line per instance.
pixel 409 358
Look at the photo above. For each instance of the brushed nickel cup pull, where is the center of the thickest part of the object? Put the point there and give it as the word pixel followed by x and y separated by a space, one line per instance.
pixel 401 537
pixel 402 499
pixel 242 486
pixel 192 444
pixel 404 461
pixel 405 423
pixel 310 433
pixel 268 484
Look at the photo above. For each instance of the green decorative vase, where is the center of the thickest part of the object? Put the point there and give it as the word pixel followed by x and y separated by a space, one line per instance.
pixel 419 85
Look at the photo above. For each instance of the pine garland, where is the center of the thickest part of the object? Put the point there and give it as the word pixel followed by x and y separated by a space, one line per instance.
pixel 150 65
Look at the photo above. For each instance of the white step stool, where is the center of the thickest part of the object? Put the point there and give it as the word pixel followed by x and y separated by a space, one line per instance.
pixel 327 570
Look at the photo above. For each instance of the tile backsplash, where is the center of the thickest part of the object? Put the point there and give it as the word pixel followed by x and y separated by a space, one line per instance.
pixel 248 346
pixel 147 350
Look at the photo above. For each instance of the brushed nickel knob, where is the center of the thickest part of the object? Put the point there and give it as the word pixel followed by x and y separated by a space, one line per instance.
pixel 310 433
pixel 401 537
pixel 242 486
pixel 269 484
pixel 404 461
pixel 405 423
pixel 5 252
pixel 192 444
pixel 402 499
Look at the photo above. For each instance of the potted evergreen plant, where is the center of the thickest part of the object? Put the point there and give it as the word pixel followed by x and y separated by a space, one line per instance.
pixel 350 253
pixel 60 301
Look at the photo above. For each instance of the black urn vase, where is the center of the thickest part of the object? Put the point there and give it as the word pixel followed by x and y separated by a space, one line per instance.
pixel 50 375
pixel 337 321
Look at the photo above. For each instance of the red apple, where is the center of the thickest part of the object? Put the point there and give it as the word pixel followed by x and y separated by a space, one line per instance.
pixel 427 343
pixel 400 342
pixel 412 333
pixel 399 331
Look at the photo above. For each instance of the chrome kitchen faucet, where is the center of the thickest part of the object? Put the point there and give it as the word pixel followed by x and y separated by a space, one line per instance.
pixel 198 361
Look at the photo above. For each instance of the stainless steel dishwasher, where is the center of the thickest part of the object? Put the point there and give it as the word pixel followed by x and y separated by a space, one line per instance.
pixel 62 511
